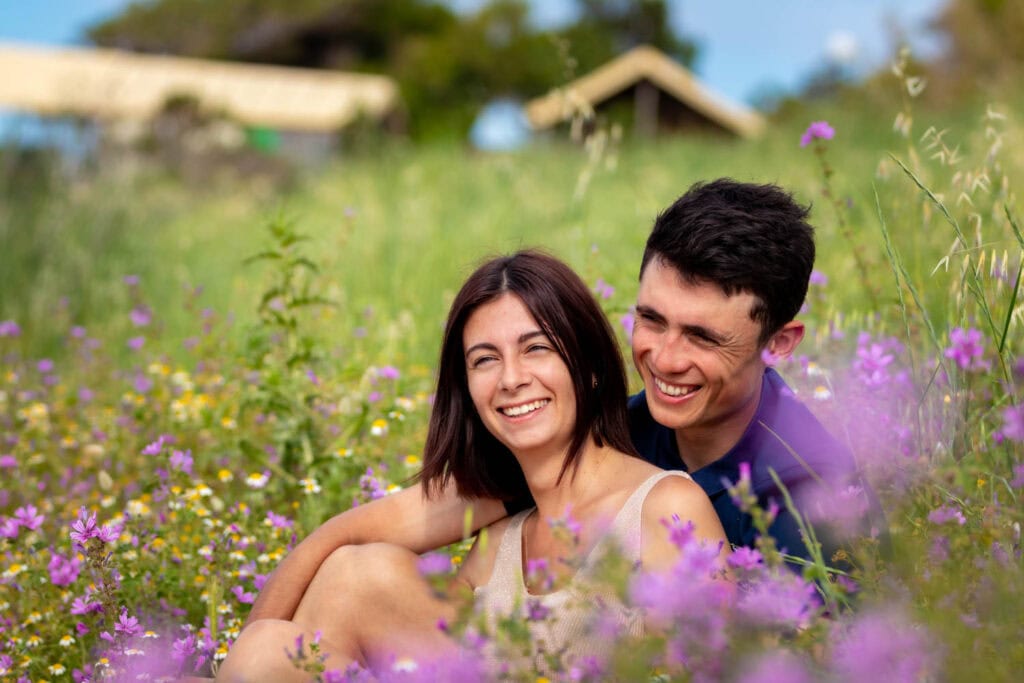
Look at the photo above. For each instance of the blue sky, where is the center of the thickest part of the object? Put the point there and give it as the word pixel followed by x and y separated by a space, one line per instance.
pixel 746 46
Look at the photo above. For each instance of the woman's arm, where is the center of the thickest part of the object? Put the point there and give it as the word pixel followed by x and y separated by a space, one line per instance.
pixel 405 518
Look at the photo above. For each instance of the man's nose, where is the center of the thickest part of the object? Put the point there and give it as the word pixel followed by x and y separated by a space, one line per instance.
pixel 674 356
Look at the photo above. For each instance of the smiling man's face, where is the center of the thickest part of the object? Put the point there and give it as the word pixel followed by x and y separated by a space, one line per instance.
pixel 698 354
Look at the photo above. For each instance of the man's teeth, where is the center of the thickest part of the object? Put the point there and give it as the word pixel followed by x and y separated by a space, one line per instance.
pixel 516 411
pixel 673 390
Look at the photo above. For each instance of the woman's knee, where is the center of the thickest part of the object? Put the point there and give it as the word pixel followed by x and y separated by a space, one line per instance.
pixel 259 648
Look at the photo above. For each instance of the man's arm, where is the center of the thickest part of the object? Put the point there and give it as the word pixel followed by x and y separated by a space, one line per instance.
pixel 404 518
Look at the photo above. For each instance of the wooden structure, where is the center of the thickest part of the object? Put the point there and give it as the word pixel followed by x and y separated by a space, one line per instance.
pixel 112 85
pixel 664 95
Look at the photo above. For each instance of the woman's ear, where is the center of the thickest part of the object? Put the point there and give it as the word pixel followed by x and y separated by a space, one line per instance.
pixel 784 342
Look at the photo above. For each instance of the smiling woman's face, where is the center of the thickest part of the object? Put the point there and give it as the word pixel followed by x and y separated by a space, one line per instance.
pixel 519 384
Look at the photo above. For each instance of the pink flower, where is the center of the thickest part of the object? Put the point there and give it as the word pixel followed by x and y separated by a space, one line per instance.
pixel 85 528
pixel 126 624
pixel 818 130
pixel 966 348
pixel 1013 423
pixel 946 513
pixel 28 517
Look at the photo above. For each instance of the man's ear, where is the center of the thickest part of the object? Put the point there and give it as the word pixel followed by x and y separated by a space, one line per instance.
pixel 784 342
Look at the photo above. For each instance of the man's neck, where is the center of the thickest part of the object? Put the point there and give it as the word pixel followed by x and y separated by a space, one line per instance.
pixel 701 446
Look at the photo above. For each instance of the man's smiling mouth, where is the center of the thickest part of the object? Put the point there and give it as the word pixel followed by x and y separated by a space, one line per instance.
pixel 674 389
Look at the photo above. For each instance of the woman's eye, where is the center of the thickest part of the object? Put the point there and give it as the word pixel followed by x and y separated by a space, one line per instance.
pixel 537 347
pixel 480 361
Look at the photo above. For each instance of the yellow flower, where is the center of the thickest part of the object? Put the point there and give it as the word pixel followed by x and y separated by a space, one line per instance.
pixel 225 476
pixel 13 571
pixel 379 427
pixel 228 423
pixel 57 669
pixel 412 460
pixel 67 641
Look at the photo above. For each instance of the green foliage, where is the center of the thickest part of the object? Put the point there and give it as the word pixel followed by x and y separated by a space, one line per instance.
pixel 447 66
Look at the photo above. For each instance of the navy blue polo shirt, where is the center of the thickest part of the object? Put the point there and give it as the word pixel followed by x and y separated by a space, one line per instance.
pixel 782 436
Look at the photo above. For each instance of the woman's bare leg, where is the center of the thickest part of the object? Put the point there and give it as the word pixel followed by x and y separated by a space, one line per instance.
pixel 368 604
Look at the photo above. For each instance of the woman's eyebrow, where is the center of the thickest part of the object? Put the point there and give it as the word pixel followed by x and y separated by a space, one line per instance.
pixel 523 338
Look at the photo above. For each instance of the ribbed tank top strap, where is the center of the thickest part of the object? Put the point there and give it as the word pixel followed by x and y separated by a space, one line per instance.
pixel 507 575
pixel 628 521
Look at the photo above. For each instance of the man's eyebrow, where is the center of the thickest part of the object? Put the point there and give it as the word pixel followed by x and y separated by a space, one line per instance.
pixel 693 330
pixel 700 331
pixel 649 312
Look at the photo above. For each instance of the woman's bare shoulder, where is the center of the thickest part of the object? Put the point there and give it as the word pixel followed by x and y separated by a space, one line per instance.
pixel 676 495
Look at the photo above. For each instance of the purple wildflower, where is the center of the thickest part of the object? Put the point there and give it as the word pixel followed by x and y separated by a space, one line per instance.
pixel 882 646
pixel 8 462
pixel 780 600
pixel 278 521
pixel 63 571
pixel 85 528
pixel 946 513
pixel 28 516
pixel 1018 476
pixel 45 366
pixel 872 363
pixel 627 321
pixel 183 648
pixel 536 610
pixel 967 348
pixel 434 564
pixel 9 328
pixel 603 289
pixel 108 533
pixel 181 461
pixel 818 278
pixel 745 558
pixel 141 316
pixel 127 625
pixel 9 528
pixel 242 596
pixel 135 343
pixel 779 666
pixel 131 280
pixel 818 130
pixel 78 332
pixel 1013 423
pixel 155 447
pixel 389 372
pixel 84 605
pixel 538 574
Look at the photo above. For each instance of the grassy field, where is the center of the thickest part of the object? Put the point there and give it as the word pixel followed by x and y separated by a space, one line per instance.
pixel 185 399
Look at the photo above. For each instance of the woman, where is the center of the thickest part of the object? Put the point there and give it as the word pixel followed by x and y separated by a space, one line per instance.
pixel 530 403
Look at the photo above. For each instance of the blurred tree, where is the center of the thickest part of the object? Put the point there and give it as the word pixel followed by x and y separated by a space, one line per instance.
pixel 983 41
pixel 448 66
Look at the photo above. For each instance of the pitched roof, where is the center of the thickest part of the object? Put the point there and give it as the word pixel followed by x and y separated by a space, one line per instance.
pixel 642 63
pixel 123 85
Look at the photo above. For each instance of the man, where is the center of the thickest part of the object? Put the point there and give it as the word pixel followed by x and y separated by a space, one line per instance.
pixel 723 275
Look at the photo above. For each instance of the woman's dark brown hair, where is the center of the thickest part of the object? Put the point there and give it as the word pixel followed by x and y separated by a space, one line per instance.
pixel 458 446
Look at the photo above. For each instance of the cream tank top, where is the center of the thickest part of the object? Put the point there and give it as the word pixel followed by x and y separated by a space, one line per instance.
pixel 584 616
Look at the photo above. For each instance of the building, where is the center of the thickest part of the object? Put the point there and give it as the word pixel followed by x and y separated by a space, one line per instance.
pixel 121 89
pixel 649 90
